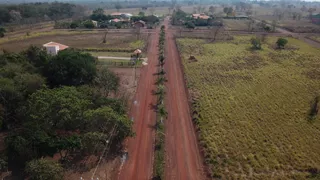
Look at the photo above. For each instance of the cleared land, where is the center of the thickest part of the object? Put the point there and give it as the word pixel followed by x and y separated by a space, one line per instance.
pixel 75 39
pixel 252 107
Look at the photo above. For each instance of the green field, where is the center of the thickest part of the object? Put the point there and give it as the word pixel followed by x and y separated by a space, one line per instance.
pixel 252 107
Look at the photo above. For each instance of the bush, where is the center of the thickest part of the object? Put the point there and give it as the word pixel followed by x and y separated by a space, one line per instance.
pixel 256 43
pixel 190 25
pixel 281 42
pixel 2 31
pixel 74 25
pixel 88 24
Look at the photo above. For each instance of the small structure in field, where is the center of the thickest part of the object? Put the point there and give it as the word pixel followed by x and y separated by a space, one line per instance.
pixel 139 24
pixel 95 23
pixel 121 15
pixel 200 16
pixel 115 20
pixel 53 47
pixel 315 19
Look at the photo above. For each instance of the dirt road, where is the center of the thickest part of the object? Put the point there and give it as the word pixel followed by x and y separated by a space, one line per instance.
pixel 139 164
pixel 183 160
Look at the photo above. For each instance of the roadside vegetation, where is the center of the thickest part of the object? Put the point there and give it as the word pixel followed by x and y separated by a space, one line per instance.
pixel 58 106
pixel 159 157
pixel 256 108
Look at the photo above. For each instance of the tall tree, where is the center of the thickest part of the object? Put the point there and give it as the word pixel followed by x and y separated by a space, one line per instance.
pixel 71 67
pixel 107 81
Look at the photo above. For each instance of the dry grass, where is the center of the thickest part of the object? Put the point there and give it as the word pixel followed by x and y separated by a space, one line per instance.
pixel 251 107
pixel 75 39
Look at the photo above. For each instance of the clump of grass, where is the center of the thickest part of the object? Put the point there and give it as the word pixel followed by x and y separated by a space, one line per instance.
pixel 314 109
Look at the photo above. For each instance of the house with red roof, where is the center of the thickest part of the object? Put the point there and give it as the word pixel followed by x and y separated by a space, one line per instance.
pixel 53 47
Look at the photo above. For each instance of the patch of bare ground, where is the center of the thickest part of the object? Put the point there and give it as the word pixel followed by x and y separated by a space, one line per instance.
pixel 107 170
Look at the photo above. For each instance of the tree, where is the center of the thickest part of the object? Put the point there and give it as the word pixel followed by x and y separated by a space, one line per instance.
pixel 74 25
pixel 42 169
pixel 107 81
pixel 228 10
pixel 71 67
pixel 250 24
pixel 256 43
pixel 106 120
pixel 281 42
pixel 274 25
pixel 118 7
pixel 29 83
pixel 152 9
pixel 311 11
pixel 141 14
pixel 162 111
pixel 212 9
pixel 190 25
pixel 37 57
pixel 59 108
pixel 2 31
pixel 88 24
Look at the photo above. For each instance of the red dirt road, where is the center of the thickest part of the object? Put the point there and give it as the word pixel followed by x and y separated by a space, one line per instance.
pixel 139 165
pixel 183 160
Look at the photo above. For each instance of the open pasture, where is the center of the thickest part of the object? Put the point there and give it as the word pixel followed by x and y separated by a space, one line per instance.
pixel 76 39
pixel 252 108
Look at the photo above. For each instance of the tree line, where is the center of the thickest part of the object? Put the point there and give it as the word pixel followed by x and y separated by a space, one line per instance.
pixel 28 13
pixel 57 105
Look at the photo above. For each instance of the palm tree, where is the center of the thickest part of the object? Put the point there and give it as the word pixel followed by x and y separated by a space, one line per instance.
pixel 161 80
pixel 162 112
pixel 162 72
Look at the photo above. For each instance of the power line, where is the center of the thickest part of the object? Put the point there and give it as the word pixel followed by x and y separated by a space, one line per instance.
pixel 104 151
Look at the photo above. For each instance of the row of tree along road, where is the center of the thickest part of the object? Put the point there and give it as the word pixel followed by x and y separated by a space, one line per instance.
pixel 159 160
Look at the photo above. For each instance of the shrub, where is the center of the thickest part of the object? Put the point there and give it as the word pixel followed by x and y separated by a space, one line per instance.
pixel 88 24
pixel 281 42
pixel 256 43
pixel 190 25
pixel 74 25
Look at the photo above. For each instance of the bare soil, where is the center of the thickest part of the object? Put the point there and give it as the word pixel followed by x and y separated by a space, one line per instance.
pixel 139 165
pixel 183 159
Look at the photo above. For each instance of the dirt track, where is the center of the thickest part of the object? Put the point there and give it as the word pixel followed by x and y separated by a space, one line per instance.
pixel 183 160
pixel 139 165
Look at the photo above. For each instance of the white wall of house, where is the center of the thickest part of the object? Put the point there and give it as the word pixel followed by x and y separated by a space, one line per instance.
pixel 53 50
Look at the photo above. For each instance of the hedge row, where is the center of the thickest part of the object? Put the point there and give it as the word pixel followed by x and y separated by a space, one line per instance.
pixel 159 160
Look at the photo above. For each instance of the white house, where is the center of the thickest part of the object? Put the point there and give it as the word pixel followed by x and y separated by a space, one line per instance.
pixel 53 47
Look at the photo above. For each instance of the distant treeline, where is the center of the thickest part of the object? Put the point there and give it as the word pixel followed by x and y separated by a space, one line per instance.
pixel 36 12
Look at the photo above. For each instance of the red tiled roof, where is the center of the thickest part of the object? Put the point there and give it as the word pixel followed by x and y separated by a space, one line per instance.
pixel 61 46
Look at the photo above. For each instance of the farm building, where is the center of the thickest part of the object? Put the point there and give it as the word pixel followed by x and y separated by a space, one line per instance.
pixel 53 47
pixel 139 24
pixel 200 16
pixel 95 23
pixel 315 19
pixel 121 15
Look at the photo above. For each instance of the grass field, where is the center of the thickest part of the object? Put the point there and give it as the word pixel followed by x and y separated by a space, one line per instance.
pixel 75 39
pixel 315 38
pixel 251 107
